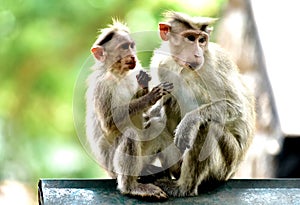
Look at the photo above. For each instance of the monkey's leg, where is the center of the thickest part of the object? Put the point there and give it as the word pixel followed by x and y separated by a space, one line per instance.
pixel 231 149
pixel 162 145
pixel 128 163
pixel 224 148
pixel 214 157
pixel 170 156
pixel 193 172
pixel 159 145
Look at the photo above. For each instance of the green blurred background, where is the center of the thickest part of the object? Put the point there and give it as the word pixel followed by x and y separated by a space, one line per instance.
pixel 43 45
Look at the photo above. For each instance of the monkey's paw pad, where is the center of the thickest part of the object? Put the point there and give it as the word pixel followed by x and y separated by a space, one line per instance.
pixel 148 192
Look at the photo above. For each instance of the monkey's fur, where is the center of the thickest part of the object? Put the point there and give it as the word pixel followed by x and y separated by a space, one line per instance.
pixel 210 111
pixel 116 98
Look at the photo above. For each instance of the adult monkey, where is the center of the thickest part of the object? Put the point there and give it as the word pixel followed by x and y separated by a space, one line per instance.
pixel 116 98
pixel 210 110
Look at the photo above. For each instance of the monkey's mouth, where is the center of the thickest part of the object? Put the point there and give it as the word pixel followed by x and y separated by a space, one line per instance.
pixel 131 64
pixel 191 65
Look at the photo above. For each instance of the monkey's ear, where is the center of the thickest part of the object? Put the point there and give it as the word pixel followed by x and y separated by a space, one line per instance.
pixel 209 30
pixel 164 29
pixel 98 52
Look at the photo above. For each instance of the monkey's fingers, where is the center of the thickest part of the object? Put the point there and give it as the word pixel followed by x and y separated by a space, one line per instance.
pixel 171 187
pixel 143 76
pixel 143 79
pixel 139 78
pixel 166 92
pixel 166 83
pixel 167 86
pixel 141 73
pixel 148 192
pixel 155 94
pixel 182 143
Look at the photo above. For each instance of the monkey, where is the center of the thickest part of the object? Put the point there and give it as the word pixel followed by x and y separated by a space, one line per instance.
pixel 210 112
pixel 117 96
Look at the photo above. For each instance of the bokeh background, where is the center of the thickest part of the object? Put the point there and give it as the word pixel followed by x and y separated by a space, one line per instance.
pixel 43 47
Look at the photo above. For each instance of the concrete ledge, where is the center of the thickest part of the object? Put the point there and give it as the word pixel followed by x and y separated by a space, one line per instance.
pixel 235 191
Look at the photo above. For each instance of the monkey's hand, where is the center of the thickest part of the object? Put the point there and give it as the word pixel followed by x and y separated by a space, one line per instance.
pixel 143 79
pixel 157 92
pixel 186 131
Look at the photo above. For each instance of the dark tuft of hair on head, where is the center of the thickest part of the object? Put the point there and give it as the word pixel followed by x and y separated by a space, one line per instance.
pixel 107 38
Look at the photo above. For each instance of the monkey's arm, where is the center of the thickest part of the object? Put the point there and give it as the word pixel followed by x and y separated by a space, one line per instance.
pixel 218 112
pixel 115 114
pixel 141 92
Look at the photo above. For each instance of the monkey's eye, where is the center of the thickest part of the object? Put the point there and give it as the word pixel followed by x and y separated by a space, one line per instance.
pixel 132 45
pixel 191 38
pixel 202 40
pixel 125 46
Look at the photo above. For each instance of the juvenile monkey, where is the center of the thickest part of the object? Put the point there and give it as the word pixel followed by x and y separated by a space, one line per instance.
pixel 116 98
pixel 210 111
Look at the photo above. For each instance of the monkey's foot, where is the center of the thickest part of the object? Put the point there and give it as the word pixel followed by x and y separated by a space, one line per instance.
pixel 147 192
pixel 173 189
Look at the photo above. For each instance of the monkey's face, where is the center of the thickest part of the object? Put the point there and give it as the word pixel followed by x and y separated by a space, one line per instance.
pixel 188 47
pixel 124 58
pixel 121 55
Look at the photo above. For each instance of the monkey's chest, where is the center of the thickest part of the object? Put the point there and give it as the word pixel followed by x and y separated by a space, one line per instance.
pixel 123 96
pixel 190 94
pixel 125 91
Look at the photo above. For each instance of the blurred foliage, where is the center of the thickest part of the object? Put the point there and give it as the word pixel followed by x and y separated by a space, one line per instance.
pixel 43 46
